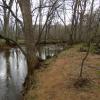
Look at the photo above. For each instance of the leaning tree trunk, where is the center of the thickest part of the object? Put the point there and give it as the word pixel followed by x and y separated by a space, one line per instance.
pixel 29 36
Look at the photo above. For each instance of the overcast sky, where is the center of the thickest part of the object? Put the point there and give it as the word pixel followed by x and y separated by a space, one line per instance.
pixel 35 3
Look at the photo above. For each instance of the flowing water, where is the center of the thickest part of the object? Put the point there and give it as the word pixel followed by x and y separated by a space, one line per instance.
pixel 13 70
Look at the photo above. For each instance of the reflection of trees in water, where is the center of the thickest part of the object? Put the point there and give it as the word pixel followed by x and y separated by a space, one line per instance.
pixel 7 55
pixel 17 60
pixel 15 54
pixel 11 91
pixel 14 67
pixel 8 71
pixel 48 51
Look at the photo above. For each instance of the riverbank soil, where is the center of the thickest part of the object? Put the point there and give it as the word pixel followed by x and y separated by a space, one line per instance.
pixel 57 81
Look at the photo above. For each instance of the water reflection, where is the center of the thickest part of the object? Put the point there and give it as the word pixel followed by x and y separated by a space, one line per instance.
pixel 13 71
pixel 48 51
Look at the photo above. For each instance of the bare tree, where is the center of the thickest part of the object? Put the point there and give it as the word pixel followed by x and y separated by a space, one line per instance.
pixel 6 17
pixel 90 40
pixel 29 36
pixel 83 5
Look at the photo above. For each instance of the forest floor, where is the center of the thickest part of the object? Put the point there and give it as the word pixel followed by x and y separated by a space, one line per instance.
pixel 56 81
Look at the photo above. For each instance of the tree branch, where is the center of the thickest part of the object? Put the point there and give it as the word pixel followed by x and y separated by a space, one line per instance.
pixel 9 8
pixel 8 39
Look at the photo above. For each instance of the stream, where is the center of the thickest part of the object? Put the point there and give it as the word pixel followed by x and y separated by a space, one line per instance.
pixel 13 70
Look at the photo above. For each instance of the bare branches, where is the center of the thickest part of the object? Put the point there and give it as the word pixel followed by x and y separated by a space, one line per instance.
pixel 90 40
pixel 8 39
pixel 9 8
pixel 50 12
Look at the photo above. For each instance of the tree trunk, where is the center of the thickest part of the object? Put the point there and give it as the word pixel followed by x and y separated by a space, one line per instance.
pixel 6 18
pixel 29 36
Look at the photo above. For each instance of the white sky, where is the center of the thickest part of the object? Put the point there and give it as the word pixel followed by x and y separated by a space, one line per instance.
pixel 35 3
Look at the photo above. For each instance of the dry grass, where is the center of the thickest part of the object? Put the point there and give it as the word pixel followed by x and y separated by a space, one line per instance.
pixel 57 81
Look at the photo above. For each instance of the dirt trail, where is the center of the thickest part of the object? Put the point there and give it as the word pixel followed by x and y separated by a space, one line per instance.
pixel 56 81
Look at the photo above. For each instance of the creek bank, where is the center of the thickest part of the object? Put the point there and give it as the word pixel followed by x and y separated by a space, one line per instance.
pixel 55 82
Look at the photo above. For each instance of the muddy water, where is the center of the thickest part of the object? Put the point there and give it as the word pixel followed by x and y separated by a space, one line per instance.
pixel 13 71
